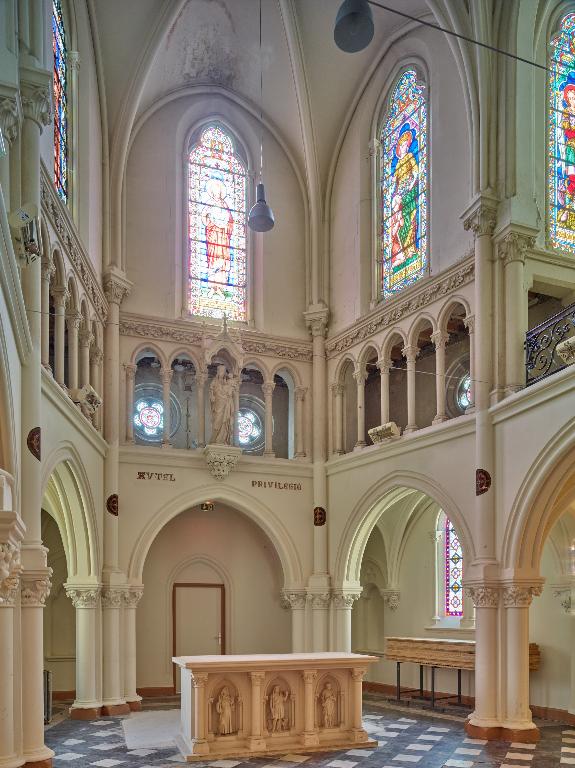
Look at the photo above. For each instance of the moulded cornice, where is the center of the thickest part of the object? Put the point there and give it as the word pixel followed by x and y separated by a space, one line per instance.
pixel 59 217
pixel 392 311
pixel 194 334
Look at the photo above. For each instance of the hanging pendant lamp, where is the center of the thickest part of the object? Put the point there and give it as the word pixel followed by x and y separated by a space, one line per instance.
pixel 261 217
pixel 354 28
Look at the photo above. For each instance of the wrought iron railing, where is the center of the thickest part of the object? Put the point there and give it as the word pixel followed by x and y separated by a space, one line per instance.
pixel 541 359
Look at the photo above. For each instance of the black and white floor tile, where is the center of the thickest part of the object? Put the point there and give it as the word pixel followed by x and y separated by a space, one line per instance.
pixel 419 741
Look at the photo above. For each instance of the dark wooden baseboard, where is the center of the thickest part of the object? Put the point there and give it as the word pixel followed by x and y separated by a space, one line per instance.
pixel 156 692
pixel 63 695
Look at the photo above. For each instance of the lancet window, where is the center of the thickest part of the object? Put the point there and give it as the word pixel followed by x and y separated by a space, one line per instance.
pixel 453 571
pixel 60 99
pixel 403 181
pixel 217 252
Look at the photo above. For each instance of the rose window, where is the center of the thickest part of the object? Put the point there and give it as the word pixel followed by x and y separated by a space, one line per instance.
pixel 249 427
pixel 149 418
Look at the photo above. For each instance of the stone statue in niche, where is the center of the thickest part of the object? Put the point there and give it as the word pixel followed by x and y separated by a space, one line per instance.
pixel 224 707
pixel 222 402
pixel 277 709
pixel 328 706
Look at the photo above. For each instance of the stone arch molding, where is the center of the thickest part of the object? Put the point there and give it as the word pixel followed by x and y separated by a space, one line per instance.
pixel 67 491
pixel 236 499
pixel 545 494
pixel 367 512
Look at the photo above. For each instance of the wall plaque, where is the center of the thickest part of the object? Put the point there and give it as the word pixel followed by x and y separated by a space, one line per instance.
pixel 319 516
pixel 482 481
pixel 112 504
pixel 34 442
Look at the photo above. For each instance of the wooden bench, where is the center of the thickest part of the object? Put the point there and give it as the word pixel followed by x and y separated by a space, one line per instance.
pixel 439 654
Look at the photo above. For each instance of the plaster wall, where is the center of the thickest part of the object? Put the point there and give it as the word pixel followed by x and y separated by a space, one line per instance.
pixel 222 546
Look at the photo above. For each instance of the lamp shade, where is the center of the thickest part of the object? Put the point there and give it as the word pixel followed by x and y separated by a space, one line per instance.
pixel 353 29
pixel 261 218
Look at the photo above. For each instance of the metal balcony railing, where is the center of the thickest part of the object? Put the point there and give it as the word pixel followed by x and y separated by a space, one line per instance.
pixel 541 359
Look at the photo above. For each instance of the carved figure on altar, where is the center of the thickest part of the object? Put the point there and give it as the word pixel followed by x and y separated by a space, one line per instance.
pixel 328 706
pixel 277 709
pixel 222 404
pixel 224 708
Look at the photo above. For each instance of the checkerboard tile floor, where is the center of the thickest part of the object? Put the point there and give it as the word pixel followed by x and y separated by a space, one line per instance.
pixel 421 741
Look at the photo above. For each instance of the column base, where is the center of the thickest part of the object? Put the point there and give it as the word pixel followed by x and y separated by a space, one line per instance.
pixel 501 733
pixel 85 713
pixel 46 763
pixel 115 709
pixel 310 739
pixel 410 428
pixel 359 446
pixel 439 419
pixel 135 706
pixel 257 744
pixel 13 761
pixel 269 454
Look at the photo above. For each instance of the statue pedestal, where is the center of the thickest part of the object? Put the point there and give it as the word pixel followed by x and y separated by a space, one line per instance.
pixel 221 459
pixel 272 704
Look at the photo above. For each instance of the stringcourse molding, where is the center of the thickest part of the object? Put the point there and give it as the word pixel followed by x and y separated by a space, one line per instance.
pixel 394 310
pixel 185 333
pixel 57 215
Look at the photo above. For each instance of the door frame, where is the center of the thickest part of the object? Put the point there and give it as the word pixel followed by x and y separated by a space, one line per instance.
pixel 222 588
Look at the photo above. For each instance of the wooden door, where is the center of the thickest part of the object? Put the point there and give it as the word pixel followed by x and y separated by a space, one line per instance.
pixel 198 621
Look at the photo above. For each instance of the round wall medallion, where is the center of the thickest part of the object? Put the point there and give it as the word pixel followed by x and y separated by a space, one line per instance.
pixel 319 516
pixel 34 442
pixel 112 504
pixel 482 481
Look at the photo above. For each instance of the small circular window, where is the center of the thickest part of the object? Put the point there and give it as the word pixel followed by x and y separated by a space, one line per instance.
pixel 249 427
pixel 149 418
pixel 464 392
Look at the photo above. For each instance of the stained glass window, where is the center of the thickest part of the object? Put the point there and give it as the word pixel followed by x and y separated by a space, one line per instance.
pixel 60 101
pixel 217 184
pixel 453 572
pixel 249 427
pixel 149 418
pixel 404 186
pixel 464 392
pixel 561 171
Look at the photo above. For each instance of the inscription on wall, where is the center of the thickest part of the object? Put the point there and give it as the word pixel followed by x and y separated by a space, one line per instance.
pixel 167 476
pixel 278 486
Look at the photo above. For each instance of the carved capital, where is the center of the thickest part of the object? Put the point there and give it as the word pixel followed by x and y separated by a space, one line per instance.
pixel 132 596
pixel 130 371
pixel 61 297
pixel 410 352
pixel 74 320
pixel 9 118
pixel 439 338
pixel 113 597
pixel 483 596
pixel 482 220
pixel 384 365
pixel 300 393
pixel 96 355
pixel 199 680
pixel 319 600
pixel 337 389
pixel 514 247
pixel 435 536
pixel 48 269
pixel 391 598
pixel 520 595
pixel 257 678
pixel 345 599
pixel 268 388
pixel 116 289
pixel 469 323
pixel 357 675
pixel 166 375
pixel 37 104
pixel 73 60
pixel 36 587
pixel 83 596
pixel 9 572
pixel 316 321
pixel 293 600
pixel 360 376
pixel 309 676
pixel 85 338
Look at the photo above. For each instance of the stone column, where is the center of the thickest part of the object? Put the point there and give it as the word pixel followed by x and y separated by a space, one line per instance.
pixel 512 250
pixel 201 377
pixel 11 534
pixel 296 600
pixel 469 323
pixel 484 721
pixel 61 297
pixel 132 597
pixel 337 394
pixel 9 125
pixel 35 584
pixel 343 603
pixel 360 375
pixel 86 601
pixel 48 270
pixel 300 393
pixel 200 739
pixel 359 733
pixel 85 339
pixel 410 353
pixel 73 61
pixel 113 702
pixel 384 368
pixel 310 733
pixel 319 612
pixel 436 538
pixel 516 600
pixel 35 589
pixel 130 383
pixel 256 742
pixel 268 390
pixel 166 378
pixel 440 339
pixel 96 358
pixel 74 320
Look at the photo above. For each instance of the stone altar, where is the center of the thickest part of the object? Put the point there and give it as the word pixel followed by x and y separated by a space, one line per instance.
pixel 271 704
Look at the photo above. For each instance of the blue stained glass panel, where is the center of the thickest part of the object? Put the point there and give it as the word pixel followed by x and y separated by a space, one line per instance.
pixel 60 101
